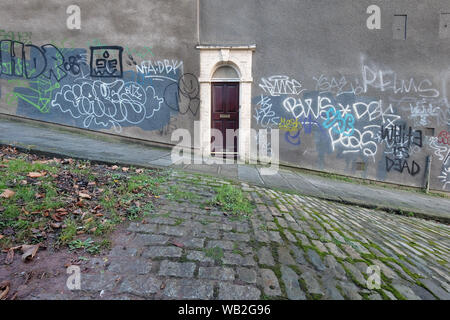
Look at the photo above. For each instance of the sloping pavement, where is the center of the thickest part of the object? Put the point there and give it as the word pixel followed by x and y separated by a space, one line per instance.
pixel 60 141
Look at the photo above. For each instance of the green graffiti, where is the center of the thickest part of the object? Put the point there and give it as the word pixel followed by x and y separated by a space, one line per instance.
pixel 140 53
pixel 41 97
pixel 24 37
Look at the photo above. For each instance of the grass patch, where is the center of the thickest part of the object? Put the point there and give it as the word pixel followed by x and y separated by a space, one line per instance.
pixel 176 193
pixel 215 253
pixel 67 202
pixel 231 200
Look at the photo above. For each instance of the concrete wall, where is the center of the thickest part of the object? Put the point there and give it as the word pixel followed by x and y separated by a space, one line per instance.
pixel 55 78
pixel 339 90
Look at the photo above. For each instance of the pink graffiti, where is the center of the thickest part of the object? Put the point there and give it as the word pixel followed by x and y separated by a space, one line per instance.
pixel 444 137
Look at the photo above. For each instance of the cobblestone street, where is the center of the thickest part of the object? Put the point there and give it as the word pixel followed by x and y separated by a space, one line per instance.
pixel 292 247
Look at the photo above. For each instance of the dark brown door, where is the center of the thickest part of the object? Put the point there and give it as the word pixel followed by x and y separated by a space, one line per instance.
pixel 225 116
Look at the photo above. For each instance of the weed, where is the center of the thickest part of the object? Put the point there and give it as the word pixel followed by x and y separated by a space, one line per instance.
pixel 231 199
pixel 215 253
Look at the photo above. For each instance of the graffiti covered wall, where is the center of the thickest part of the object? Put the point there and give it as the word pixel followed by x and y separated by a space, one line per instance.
pixel 130 69
pixel 345 98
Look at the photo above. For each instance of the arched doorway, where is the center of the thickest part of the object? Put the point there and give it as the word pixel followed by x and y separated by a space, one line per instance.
pixel 225 112
pixel 228 67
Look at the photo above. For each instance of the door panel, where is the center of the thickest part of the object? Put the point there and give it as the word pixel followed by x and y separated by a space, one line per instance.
pixel 218 102
pixel 225 115
pixel 232 101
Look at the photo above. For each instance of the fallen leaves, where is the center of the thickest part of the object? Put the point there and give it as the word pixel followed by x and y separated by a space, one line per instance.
pixel 36 174
pixel 39 195
pixel 56 217
pixel 4 289
pixel 54 160
pixel 89 200
pixel 7 194
pixel 9 256
pixel 84 195
pixel 176 243
pixel 29 251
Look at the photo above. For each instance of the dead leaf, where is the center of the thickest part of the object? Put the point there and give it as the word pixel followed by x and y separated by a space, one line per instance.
pixel 139 170
pixel 84 195
pixel 163 285
pixel 56 218
pixel 23 182
pixel 39 195
pixel 43 161
pixel 80 232
pixel 88 220
pixel 207 208
pixel 67 161
pixel 55 225
pixel 4 289
pixel 36 174
pixel 125 169
pixel 29 251
pixel 1 236
pixel 7 194
pixel 177 244
pixel 114 167
pixel 10 256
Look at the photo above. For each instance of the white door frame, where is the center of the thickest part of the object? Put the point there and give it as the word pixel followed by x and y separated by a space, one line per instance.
pixel 240 58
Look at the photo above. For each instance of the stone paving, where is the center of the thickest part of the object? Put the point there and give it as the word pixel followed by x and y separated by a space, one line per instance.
pixel 292 247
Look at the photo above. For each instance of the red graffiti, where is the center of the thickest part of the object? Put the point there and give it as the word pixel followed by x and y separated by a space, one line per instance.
pixel 444 137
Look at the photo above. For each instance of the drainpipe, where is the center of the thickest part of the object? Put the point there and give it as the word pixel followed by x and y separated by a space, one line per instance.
pixel 428 170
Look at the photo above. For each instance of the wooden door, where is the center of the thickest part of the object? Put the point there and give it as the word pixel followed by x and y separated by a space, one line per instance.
pixel 225 116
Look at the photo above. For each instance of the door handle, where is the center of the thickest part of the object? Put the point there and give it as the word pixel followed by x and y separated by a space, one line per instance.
pixel 224 116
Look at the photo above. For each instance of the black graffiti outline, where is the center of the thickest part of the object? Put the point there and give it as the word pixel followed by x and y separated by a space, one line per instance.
pixel 94 74
pixel 72 65
pixel 191 95
pixel 43 50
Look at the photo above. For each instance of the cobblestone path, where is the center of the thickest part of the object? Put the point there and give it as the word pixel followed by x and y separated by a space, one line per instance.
pixel 292 247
